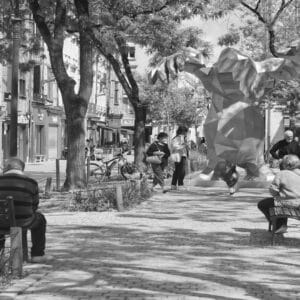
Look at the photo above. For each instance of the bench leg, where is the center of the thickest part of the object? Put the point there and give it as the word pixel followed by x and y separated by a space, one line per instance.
pixel 270 226
pixel 25 244
pixel 273 230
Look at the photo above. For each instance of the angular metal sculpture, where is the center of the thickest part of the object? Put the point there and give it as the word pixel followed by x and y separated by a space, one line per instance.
pixel 234 127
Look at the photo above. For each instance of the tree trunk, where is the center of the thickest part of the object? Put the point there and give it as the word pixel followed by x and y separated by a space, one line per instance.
pixel 75 114
pixel 139 134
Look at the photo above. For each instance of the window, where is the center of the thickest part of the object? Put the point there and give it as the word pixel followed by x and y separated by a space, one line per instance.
pixel 116 94
pixel 50 80
pixel 22 87
pixel 37 80
pixel 131 52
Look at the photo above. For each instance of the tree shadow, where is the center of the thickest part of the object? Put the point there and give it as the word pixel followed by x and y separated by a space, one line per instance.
pixel 135 262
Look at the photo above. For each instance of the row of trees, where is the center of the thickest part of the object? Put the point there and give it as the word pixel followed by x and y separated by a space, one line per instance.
pixel 106 27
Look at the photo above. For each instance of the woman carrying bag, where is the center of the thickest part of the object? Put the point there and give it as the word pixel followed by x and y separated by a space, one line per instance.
pixel 180 153
pixel 157 155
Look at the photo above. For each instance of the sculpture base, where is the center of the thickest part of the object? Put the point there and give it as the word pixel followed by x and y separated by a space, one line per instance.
pixel 221 184
pixel 266 176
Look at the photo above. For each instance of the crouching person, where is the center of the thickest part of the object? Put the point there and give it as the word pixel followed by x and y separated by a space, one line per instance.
pixel 25 193
pixel 286 187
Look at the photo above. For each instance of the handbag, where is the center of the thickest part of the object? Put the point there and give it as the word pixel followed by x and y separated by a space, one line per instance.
pixel 175 157
pixel 154 159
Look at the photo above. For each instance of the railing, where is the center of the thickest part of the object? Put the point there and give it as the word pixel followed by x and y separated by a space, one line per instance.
pixel 39 98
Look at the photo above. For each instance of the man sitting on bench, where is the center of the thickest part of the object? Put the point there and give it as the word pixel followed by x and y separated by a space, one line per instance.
pixel 286 186
pixel 25 193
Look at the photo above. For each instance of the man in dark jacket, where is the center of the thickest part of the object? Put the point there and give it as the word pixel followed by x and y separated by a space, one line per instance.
pixel 285 146
pixel 25 193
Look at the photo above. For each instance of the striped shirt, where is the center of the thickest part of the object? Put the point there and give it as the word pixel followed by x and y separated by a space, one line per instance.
pixel 25 193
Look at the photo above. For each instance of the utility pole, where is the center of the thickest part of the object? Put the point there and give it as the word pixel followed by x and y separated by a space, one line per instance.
pixel 13 144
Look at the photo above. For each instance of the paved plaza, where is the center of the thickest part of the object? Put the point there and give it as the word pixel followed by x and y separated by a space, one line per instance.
pixel 198 244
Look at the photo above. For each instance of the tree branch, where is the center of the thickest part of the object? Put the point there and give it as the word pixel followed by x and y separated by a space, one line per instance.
pixel 257 5
pixel 269 25
pixel 280 10
pixel 255 11
pixel 40 21
pixel 148 11
pixel 60 18
pixel 86 52
pixel 122 45
pixel 112 60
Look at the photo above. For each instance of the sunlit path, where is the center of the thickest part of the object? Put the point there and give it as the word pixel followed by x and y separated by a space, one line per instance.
pixel 200 244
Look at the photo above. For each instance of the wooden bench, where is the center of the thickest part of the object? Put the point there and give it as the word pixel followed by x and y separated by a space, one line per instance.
pixel 18 235
pixel 280 210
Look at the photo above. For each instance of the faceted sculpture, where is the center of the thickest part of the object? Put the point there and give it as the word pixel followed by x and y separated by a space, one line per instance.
pixel 234 127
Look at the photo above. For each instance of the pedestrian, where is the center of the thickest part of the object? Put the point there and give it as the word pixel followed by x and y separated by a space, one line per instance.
pixel 285 146
pixel 161 149
pixel 286 188
pixel 180 153
pixel 25 193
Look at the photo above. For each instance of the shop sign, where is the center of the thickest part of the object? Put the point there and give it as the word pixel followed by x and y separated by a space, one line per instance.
pixel 127 122
pixel 22 119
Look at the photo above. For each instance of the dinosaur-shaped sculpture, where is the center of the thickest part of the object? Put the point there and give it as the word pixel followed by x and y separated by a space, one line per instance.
pixel 234 127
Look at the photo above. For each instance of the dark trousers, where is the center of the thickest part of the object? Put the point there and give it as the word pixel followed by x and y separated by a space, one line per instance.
pixel 158 174
pixel 38 235
pixel 264 206
pixel 179 172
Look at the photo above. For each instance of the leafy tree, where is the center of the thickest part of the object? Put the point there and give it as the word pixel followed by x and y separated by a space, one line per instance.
pixel 31 42
pixel 265 26
pixel 108 26
pixel 53 19
pixel 151 24
pixel 170 104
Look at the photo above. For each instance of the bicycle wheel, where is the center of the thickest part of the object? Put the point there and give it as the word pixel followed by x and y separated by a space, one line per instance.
pixel 97 172
pixel 130 171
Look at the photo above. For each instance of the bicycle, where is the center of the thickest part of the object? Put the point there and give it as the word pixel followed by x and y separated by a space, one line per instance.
pixel 104 169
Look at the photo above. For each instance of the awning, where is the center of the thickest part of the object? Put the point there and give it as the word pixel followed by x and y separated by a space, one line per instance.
pixel 107 128
pixel 128 131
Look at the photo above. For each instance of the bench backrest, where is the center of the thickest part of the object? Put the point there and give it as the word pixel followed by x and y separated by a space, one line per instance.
pixel 7 213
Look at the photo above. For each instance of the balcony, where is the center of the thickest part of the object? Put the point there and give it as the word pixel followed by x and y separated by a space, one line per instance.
pixel 92 108
pixel 39 99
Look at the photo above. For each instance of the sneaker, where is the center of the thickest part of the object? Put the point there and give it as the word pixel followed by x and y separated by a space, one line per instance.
pixel 173 187
pixel 231 190
pixel 156 188
pixel 41 259
pixel 282 229
pixel 182 188
pixel 165 190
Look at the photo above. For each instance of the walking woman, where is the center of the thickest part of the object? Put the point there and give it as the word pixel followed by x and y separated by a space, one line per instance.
pixel 180 153
pixel 159 148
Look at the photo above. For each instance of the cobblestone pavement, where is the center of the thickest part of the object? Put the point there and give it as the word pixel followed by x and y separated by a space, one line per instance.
pixel 199 244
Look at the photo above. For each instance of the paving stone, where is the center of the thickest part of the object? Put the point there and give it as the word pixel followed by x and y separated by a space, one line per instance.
pixel 199 244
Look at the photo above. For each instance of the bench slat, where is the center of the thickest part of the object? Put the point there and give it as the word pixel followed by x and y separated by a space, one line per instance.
pixel 285 212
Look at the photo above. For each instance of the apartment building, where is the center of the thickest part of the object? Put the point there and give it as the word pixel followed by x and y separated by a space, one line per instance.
pixel 41 117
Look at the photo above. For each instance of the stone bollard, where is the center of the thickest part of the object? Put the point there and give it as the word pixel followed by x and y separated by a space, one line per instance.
pixel 119 198
pixel 48 187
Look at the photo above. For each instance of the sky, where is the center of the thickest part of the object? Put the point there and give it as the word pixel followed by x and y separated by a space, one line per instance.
pixel 212 30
